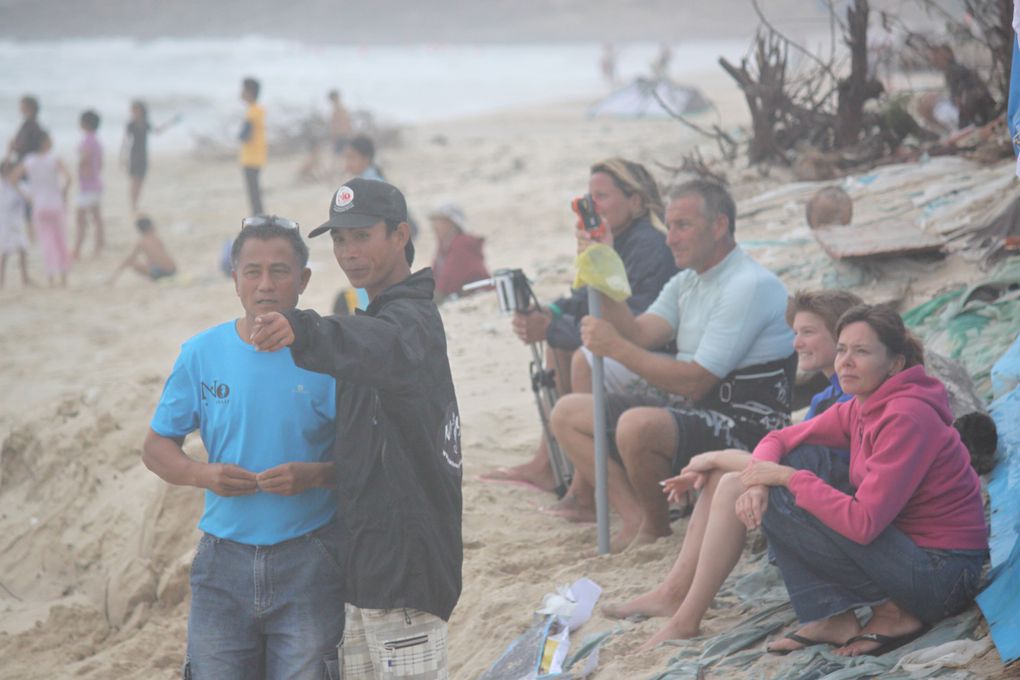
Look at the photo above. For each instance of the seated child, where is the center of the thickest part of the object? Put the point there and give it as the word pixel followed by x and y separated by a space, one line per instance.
pixel 459 258
pixel 149 257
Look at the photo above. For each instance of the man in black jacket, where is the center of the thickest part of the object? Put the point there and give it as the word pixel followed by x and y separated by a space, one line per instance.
pixel 397 453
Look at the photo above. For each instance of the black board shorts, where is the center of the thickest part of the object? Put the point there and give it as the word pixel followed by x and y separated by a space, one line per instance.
pixel 698 430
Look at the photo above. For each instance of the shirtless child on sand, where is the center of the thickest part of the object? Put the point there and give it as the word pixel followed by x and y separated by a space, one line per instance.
pixel 149 257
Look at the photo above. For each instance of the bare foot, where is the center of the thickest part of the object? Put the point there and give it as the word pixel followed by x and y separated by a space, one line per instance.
pixel 529 474
pixel 572 509
pixel 651 604
pixel 625 539
pixel 891 625
pixel 673 630
pixel 834 630
pixel 647 539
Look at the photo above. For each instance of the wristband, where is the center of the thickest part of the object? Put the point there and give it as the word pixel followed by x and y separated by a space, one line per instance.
pixel 555 309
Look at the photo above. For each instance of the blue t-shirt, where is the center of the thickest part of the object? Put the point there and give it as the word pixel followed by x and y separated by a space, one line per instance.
pixel 729 317
pixel 256 410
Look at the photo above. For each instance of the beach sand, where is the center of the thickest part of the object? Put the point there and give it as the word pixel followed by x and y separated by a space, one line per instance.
pixel 94 549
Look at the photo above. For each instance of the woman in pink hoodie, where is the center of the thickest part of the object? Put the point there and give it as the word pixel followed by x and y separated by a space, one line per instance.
pixel 902 529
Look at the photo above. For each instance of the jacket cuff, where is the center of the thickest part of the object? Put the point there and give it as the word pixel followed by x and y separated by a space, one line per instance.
pixel 296 322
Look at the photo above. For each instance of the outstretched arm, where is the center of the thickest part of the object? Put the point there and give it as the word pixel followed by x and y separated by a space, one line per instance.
pixel 272 332
pixel 379 351
pixel 127 262
pixel 169 123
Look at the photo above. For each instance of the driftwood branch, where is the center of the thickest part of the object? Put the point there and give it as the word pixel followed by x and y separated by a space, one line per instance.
pixel 819 105
pixel 694 163
pixel 857 88
pixel 810 55
pixel 727 145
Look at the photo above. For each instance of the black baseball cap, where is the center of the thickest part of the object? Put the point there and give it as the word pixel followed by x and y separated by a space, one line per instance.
pixel 361 203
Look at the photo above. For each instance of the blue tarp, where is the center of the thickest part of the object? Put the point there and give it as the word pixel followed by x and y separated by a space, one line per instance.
pixel 1013 110
pixel 1000 601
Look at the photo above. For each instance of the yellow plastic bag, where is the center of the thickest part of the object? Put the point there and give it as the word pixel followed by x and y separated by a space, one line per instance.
pixel 601 268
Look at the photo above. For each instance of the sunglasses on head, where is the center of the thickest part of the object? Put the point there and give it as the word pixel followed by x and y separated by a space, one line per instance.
pixel 269 220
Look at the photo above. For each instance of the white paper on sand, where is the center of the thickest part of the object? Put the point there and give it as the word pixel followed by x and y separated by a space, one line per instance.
pixel 572 606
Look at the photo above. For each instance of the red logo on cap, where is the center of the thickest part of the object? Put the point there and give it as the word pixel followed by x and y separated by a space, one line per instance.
pixel 344 196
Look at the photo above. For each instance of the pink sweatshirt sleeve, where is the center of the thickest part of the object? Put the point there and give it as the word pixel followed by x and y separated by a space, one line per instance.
pixel 831 428
pixel 904 448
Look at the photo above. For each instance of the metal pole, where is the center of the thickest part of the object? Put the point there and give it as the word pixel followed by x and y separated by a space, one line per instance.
pixel 598 392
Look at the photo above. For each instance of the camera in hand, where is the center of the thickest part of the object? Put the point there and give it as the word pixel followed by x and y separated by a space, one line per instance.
pixel 512 290
pixel 584 208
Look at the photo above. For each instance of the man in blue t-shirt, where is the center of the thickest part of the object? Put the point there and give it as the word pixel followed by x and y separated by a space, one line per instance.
pixel 267 588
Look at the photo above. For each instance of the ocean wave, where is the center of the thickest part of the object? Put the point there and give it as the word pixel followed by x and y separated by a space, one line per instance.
pixel 199 80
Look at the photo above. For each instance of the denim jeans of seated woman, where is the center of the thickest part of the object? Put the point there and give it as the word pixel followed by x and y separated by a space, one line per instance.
pixel 266 612
pixel 827 574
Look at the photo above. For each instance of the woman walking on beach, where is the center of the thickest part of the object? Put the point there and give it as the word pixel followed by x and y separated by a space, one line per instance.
pixel 136 145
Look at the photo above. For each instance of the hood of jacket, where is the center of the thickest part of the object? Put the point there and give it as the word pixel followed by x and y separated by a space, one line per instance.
pixel 911 383
pixel 418 286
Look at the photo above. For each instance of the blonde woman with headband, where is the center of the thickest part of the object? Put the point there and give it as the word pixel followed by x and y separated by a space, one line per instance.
pixel 627 199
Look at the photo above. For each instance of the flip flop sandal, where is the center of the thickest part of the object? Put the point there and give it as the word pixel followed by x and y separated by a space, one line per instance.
pixel 886 643
pixel 802 641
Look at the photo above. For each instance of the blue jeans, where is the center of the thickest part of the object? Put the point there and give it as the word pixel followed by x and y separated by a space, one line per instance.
pixel 266 612
pixel 827 574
